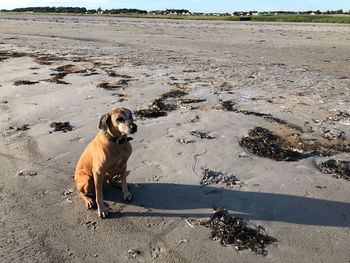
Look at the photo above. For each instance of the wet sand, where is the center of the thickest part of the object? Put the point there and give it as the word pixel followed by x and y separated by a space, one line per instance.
pixel 290 79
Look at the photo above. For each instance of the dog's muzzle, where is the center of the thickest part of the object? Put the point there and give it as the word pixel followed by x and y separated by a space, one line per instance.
pixel 133 128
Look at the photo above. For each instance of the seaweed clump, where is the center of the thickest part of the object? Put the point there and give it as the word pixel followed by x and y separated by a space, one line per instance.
pixel 160 106
pixel 264 143
pixel 61 126
pixel 25 82
pixel 202 135
pixel 214 177
pixel 176 93
pixel 232 230
pixel 47 59
pixel 57 78
pixel 337 168
pixel 228 105
pixel 24 127
pixel 150 113
pixel 69 69
pixel 10 54
pixel 120 84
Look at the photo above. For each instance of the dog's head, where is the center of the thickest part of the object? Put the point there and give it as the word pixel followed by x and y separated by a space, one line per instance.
pixel 117 122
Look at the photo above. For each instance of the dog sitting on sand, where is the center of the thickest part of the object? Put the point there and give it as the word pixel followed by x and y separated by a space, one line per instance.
pixel 105 159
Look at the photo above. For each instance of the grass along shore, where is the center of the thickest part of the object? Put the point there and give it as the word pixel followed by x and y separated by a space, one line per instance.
pixel 343 19
pixel 301 18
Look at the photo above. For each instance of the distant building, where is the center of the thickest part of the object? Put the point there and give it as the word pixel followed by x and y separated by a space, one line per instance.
pixel 244 13
pixel 239 13
pixel 176 12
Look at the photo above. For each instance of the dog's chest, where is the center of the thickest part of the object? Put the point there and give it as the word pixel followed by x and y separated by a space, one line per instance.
pixel 118 155
pixel 118 152
pixel 117 167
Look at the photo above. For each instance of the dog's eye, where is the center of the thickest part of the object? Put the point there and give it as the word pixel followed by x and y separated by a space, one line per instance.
pixel 120 119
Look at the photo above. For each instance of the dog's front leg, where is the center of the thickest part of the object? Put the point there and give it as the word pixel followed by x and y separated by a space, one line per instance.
pixel 127 196
pixel 98 180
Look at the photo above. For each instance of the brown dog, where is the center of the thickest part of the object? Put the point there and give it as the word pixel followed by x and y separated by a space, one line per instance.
pixel 105 158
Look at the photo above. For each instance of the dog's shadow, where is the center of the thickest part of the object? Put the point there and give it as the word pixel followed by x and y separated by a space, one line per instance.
pixel 178 200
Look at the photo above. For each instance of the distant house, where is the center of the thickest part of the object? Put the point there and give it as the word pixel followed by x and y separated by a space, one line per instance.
pixel 244 13
pixel 156 12
pixel 240 13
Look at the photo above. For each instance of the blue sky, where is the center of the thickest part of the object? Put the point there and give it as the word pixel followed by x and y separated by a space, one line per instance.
pixel 192 5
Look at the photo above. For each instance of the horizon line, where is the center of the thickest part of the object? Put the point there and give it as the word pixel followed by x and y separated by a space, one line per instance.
pixel 150 10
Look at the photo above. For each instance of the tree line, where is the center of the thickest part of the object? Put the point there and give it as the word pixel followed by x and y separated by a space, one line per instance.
pixel 83 10
pixel 48 9
pixel 76 10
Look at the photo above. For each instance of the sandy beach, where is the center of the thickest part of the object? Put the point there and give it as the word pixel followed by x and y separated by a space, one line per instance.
pixel 256 121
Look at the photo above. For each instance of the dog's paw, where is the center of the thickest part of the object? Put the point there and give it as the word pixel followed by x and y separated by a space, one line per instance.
pixel 90 204
pixel 127 196
pixel 102 213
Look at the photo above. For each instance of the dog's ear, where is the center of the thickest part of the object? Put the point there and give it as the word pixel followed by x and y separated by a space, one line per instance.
pixel 129 112
pixel 105 120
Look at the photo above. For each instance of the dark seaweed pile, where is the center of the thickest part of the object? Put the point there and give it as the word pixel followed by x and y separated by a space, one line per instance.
pixel 113 74
pixel 150 113
pixel 227 105
pixel 264 143
pixel 10 54
pixel 69 68
pixel 232 231
pixel 47 59
pixel 61 126
pixel 338 168
pixel 202 135
pixel 168 101
pixel 57 78
pixel 113 86
pixel 24 82
pixel 214 177
pixel 189 101
pixel 176 93
pixel 160 106
pixel 24 127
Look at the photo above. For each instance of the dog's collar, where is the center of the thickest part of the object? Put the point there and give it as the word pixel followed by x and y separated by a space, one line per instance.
pixel 120 140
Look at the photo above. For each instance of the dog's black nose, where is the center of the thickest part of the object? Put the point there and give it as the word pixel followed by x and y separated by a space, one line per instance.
pixel 133 128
